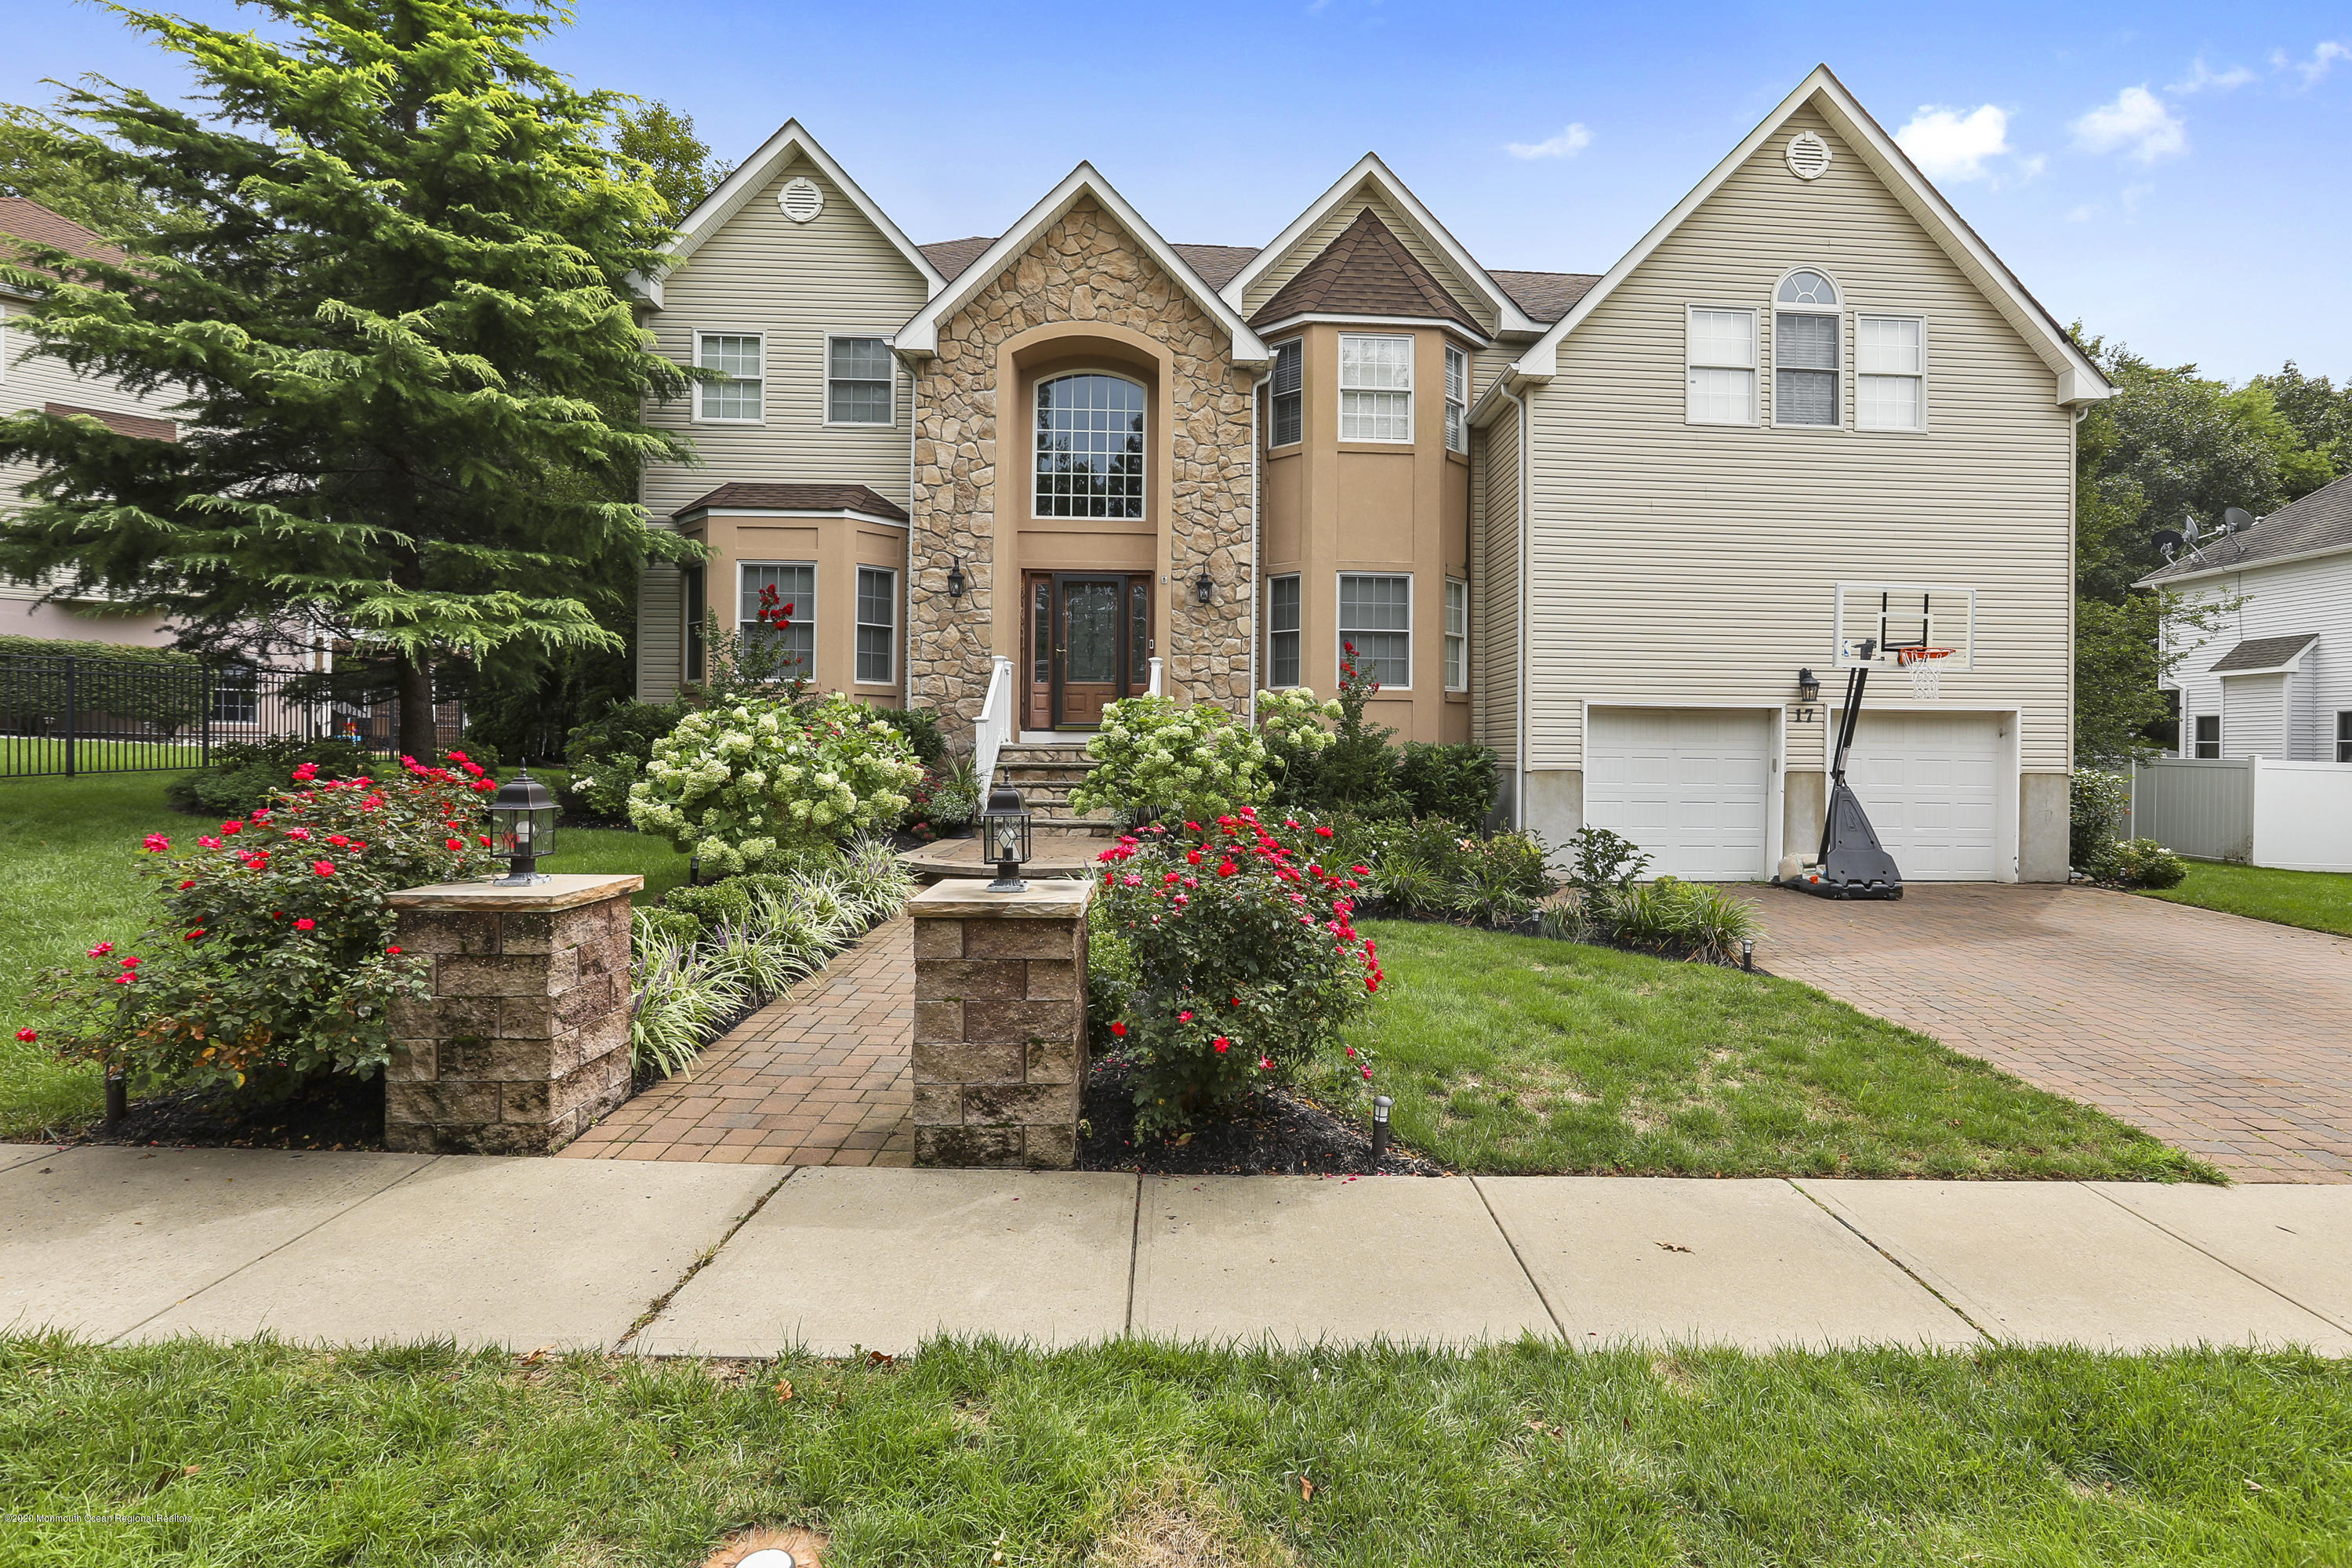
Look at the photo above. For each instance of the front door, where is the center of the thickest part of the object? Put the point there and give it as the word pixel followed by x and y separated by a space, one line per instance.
pixel 1088 641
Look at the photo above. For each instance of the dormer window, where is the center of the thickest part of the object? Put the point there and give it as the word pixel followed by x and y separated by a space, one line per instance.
pixel 1805 341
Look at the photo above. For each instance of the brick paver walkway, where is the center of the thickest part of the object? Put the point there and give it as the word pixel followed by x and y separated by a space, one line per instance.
pixel 2226 1037
pixel 819 1078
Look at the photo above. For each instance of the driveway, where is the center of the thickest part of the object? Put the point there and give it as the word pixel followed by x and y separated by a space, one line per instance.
pixel 2226 1037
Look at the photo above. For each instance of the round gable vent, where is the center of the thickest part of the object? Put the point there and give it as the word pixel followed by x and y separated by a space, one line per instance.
pixel 802 200
pixel 1809 156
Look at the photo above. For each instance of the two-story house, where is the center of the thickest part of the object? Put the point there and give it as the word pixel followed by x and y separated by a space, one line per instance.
pixel 1605 524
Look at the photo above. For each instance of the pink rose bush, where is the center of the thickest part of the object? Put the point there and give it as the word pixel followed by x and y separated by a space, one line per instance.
pixel 1245 958
pixel 272 957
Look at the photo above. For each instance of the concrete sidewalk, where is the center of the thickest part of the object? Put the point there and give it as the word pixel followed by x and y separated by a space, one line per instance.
pixel 677 1259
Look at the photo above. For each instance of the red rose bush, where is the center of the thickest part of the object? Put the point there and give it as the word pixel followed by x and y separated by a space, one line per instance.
pixel 1245 957
pixel 274 957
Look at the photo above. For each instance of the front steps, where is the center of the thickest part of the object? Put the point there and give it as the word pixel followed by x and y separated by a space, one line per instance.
pixel 1046 771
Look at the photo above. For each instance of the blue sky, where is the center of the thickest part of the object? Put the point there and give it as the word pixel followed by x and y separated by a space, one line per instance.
pixel 2174 176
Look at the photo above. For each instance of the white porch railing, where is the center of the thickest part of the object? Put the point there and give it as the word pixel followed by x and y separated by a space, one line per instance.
pixel 1157 669
pixel 996 725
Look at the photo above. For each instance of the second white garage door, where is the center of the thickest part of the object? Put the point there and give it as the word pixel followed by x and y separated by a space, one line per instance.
pixel 1931 783
pixel 1691 786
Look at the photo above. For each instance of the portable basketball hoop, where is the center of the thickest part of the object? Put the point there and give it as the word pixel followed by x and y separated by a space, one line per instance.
pixel 1925 666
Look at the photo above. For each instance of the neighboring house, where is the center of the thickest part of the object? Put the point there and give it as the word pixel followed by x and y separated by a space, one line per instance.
pixel 1596 522
pixel 2276 680
pixel 28 382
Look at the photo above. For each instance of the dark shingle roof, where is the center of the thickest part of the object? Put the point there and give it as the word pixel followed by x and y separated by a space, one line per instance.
pixel 1546 296
pixel 2320 520
pixel 1216 264
pixel 1366 271
pixel 797 498
pixel 145 427
pixel 28 219
pixel 952 256
pixel 2264 653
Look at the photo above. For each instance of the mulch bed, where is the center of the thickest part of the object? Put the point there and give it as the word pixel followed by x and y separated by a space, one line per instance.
pixel 1277 1133
pixel 332 1111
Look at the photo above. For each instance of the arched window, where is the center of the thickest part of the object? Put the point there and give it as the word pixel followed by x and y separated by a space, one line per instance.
pixel 1806 286
pixel 1089 447
pixel 1806 338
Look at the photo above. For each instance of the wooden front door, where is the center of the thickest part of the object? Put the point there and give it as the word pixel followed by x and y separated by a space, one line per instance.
pixel 1087 636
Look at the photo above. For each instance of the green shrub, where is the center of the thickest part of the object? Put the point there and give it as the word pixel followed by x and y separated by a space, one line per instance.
pixel 243 777
pixel 1432 866
pixel 1359 774
pixel 1458 783
pixel 921 728
pixel 1670 917
pixel 608 755
pixel 1193 760
pixel 949 797
pixel 1244 962
pixel 2144 863
pixel 1290 725
pixel 682 995
pixel 675 925
pixel 156 687
pixel 14 646
pixel 2097 804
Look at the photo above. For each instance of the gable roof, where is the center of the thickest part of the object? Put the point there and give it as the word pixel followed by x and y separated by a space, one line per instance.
pixel 1370 170
pixel 1366 272
pixel 2079 380
pixel 790 143
pixel 920 335
pixel 742 497
pixel 1546 296
pixel 27 219
pixel 2318 524
pixel 2265 656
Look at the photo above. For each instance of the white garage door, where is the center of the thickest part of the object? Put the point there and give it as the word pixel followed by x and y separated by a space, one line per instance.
pixel 1930 782
pixel 1691 786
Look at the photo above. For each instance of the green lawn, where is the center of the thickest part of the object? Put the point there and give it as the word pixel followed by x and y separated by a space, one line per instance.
pixel 68 860
pixel 2319 900
pixel 1517 1054
pixel 1132 1454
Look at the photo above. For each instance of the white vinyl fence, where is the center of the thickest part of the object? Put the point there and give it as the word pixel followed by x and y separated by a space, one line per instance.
pixel 2295 816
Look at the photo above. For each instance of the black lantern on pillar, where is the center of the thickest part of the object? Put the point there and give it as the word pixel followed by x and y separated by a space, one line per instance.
pixel 1203 589
pixel 955 580
pixel 1004 838
pixel 523 828
pixel 1809 692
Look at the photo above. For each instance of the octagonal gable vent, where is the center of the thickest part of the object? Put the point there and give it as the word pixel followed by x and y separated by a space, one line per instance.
pixel 801 199
pixel 1809 156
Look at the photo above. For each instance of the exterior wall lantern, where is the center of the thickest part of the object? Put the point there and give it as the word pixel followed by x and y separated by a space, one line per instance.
pixel 523 828
pixel 1004 838
pixel 955 580
pixel 1203 589
pixel 1809 692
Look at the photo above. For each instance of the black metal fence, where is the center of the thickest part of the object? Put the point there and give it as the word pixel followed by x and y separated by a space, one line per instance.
pixel 68 716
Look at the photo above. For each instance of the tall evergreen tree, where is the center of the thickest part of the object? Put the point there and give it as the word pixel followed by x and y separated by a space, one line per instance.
pixel 390 299
pixel 676 162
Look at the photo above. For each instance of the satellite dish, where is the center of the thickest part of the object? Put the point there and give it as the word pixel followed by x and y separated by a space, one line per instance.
pixel 2189 529
pixel 2168 541
pixel 2237 519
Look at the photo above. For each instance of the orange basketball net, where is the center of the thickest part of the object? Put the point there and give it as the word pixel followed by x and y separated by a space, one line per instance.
pixel 1925 667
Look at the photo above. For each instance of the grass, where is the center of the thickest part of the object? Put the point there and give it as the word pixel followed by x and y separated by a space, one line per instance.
pixel 1129 1454
pixel 2316 901
pixel 69 862
pixel 1510 1054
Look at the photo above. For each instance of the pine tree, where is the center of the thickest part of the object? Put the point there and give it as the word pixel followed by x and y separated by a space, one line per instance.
pixel 391 299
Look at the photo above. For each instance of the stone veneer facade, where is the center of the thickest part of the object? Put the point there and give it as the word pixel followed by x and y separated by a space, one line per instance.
pixel 1084 269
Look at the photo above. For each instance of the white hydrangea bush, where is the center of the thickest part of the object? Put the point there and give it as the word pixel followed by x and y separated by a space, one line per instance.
pixel 758 786
pixel 1197 761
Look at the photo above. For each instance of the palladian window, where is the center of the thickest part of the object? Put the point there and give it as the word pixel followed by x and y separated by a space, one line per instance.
pixel 1089 447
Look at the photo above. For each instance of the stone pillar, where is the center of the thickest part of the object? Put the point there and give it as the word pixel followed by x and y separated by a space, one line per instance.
pixel 1000 1023
pixel 525 1040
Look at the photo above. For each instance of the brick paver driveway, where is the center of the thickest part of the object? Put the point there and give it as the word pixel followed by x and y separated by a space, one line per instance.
pixel 2226 1037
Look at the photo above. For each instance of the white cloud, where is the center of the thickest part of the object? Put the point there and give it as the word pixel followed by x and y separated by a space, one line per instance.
pixel 1573 140
pixel 1950 145
pixel 2322 60
pixel 2137 122
pixel 2202 76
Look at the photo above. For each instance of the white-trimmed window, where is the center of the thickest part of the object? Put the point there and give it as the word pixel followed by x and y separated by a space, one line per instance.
pixel 1457 399
pixel 2206 735
pixel 1376 620
pixel 1089 447
pixel 1805 333
pixel 1282 632
pixel 795 585
pixel 2343 735
pixel 739 358
pixel 1720 349
pixel 1890 369
pixel 877 626
pixel 1289 385
pixel 1457 634
pixel 1375 388
pixel 860 382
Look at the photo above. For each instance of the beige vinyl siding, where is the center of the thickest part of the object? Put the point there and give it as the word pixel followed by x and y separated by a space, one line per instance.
pixel 1495 585
pixel 795 283
pixel 1694 565
pixel 1311 245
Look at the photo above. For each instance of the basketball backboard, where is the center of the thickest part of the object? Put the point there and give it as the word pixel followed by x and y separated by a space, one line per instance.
pixel 1876 623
